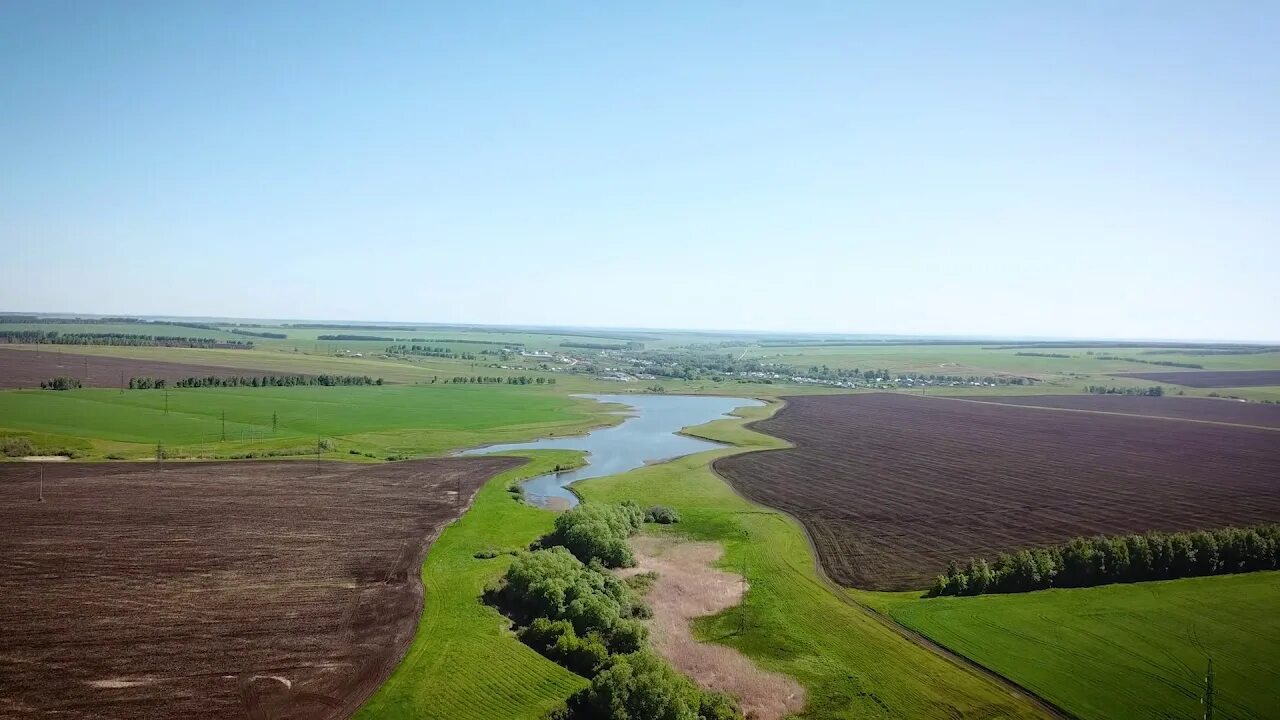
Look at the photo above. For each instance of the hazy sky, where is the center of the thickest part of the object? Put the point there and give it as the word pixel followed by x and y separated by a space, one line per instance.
pixel 1101 169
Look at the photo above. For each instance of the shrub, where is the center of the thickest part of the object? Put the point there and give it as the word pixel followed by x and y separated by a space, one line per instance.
pixel 640 685
pixel 17 447
pixel 594 531
pixel 662 515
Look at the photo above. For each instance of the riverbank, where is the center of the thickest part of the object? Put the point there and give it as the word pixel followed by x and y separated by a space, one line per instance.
pixel 793 623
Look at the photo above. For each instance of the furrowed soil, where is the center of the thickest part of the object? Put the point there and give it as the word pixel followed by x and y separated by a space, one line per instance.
pixel 1178 408
pixel 28 368
pixel 212 590
pixel 1211 378
pixel 891 487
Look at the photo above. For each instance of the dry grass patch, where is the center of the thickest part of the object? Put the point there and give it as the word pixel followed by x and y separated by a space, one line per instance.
pixel 688 586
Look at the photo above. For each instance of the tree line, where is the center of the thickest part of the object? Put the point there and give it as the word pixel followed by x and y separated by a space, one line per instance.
pixel 53 337
pixel 602 346
pixel 1101 560
pixel 1153 391
pixel 567 606
pixel 1165 363
pixel 149 383
pixel 262 334
pixel 1043 354
pixel 430 351
pixel 489 380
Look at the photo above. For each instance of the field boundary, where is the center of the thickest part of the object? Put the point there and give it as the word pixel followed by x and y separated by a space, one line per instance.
pixel 1013 688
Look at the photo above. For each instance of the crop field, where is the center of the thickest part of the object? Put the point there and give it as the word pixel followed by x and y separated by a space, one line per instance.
pixel 215 589
pixel 1180 408
pixel 400 419
pixel 892 487
pixel 1121 651
pixel 1212 379
pixel 28 368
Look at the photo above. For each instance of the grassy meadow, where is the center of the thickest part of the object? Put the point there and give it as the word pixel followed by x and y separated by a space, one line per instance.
pixel 464 664
pixel 1120 651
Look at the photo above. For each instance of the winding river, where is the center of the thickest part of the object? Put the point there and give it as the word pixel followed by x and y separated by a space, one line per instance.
pixel 649 435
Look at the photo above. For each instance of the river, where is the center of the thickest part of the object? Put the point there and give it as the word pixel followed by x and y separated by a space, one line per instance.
pixel 649 435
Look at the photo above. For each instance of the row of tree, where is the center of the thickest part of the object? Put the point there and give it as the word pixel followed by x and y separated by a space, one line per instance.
pixel 1084 562
pixel 430 351
pixel 511 380
pixel 1043 354
pixel 571 609
pixel 261 334
pixel 1165 363
pixel 61 383
pixel 1153 391
pixel 149 383
pixel 53 337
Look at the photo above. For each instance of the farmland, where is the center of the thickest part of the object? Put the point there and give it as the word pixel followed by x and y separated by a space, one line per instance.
pixel 795 623
pixel 1120 651
pixel 892 487
pixel 215 590
pixel 1201 409
pixel 28 368
pixel 400 420
pixel 1213 379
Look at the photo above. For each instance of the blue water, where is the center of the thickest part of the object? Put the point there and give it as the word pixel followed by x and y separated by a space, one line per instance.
pixel 647 436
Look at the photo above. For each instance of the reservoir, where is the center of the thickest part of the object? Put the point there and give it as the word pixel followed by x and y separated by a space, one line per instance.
pixel 649 435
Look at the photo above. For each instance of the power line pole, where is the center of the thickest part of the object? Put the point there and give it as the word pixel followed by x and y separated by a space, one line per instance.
pixel 159 456
pixel 317 454
pixel 166 401
pixel 224 426
pixel 121 382
pixel 1208 692
pixel 742 607
pixel 41 482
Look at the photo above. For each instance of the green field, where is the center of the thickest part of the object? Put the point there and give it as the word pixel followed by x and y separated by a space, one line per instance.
pixel 464 663
pixel 1120 651
pixel 402 419
pixel 851 664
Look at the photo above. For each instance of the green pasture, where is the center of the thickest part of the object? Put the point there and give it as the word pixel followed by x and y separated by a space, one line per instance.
pixel 464 663
pixel 398 419
pixel 851 664
pixel 1120 651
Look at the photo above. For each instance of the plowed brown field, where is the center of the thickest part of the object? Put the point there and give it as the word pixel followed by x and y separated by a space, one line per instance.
pixel 891 487
pixel 1180 408
pixel 1212 378
pixel 28 368
pixel 215 590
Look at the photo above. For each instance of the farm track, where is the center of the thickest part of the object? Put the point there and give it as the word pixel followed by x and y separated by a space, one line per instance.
pixel 208 590
pixel 892 487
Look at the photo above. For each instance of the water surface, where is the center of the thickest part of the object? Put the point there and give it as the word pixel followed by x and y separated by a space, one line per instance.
pixel 647 436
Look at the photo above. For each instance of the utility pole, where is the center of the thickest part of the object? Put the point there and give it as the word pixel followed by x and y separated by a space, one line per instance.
pixel 224 426
pixel 742 608
pixel 275 422
pixel 166 401
pixel 159 456
pixel 1208 692
pixel 121 382
pixel 41 482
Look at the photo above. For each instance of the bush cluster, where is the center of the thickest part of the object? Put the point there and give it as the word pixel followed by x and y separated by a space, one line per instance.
pixel 596 532
pixel 569 608
pixel 641 686
pixel 61 383
pixel 662 515
pixel 1101 560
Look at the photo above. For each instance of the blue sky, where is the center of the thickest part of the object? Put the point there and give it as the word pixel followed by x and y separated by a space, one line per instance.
pixel 1050 169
